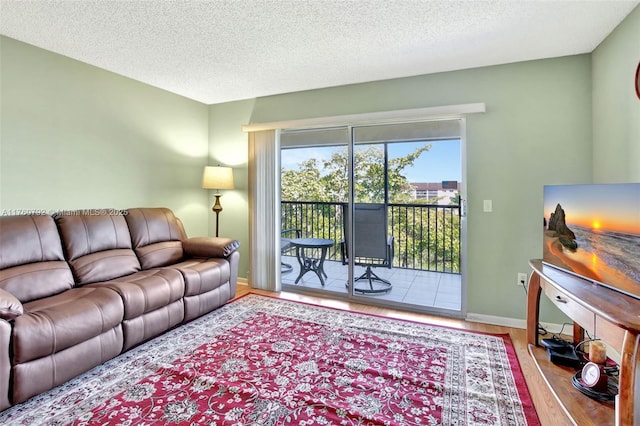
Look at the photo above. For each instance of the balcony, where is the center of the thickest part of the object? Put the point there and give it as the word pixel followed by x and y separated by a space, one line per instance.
pixel 426 265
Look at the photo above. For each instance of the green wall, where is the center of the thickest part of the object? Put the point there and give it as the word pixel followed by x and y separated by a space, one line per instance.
pixel 536 131
pixel 228 146
pixel 74 136
pixel 616 108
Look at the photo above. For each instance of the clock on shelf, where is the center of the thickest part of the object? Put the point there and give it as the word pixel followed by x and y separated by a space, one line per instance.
pixel 594 377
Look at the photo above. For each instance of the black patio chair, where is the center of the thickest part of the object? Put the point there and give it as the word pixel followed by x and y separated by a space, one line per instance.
pixel 372 247
pixel 285 246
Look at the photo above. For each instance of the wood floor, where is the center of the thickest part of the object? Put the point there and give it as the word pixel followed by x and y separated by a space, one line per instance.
pixel 549 411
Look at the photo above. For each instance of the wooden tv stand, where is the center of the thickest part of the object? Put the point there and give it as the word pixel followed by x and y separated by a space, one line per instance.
pixel 606 314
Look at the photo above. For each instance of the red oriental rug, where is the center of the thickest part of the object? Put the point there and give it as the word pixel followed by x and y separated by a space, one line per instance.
pixel 267 361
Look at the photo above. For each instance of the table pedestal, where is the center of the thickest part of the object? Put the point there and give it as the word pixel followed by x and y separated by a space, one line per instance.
pixel 306 248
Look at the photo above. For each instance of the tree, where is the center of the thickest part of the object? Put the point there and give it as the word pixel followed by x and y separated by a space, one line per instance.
pixel 327 180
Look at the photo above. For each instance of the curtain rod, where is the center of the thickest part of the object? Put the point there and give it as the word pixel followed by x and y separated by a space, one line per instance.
pixel 371 117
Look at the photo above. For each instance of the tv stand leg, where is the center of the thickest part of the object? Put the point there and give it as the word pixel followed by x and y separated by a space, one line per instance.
pixel 533 309
pixel 578 333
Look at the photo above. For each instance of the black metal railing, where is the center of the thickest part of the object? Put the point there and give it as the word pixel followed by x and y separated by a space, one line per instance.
pixel 426 236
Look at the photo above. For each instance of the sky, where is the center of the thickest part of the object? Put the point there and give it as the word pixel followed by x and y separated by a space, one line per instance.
pixel 613 207
pixel 441 162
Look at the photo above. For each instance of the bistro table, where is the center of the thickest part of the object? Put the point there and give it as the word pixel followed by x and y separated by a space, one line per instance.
pixel 307 253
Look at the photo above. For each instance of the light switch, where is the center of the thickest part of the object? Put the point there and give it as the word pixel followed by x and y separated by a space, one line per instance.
pixel 488 206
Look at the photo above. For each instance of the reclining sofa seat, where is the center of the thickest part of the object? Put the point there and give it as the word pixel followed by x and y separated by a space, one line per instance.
pixel 58 331
pixel 75 293
pixel 209 266
pixel 98 249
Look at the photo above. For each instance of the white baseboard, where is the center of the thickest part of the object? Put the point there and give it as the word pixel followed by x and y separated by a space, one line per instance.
pixel 242 281
pixel 510 322
pixel 496 320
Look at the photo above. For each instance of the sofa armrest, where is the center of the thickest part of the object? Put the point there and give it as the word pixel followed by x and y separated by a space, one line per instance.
pixel 10 306
pixel 5 364
pixel 209 247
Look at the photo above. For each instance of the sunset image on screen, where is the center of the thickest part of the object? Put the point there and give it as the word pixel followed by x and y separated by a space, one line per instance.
pixel 599 207
pixel 594 231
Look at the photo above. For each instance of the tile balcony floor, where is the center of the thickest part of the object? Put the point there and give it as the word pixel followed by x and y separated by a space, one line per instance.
pixel 423 288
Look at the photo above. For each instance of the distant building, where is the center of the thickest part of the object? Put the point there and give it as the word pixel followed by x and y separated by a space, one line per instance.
pixel 445 192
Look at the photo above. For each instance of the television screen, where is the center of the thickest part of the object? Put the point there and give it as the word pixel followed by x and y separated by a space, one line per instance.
pixel 593 231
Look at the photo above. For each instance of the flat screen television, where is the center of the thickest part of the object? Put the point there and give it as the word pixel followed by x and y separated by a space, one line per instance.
pixel 593 231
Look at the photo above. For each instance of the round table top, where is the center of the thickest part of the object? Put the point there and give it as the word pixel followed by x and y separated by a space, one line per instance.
pixel 311 242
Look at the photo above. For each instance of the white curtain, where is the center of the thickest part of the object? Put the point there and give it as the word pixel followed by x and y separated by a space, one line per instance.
pixel 264 209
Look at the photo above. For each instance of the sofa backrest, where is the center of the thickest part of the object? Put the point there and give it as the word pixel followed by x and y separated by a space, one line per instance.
pixel 32 264
pixel 157 235
pixel 97 245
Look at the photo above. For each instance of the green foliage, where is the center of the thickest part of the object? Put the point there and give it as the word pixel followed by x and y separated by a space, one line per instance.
pixel 328 180
pixel 426 237
pixel 315 196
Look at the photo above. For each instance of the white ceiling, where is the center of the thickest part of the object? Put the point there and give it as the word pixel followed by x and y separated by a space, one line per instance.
pixel 222 50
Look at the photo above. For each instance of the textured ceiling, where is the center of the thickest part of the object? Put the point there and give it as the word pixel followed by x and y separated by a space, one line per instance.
pixel 222 50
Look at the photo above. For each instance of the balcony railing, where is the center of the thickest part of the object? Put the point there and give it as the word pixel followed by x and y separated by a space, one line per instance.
pixel 426 236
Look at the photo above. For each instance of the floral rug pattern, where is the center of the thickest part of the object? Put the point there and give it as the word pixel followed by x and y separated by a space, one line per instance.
pixel 266 361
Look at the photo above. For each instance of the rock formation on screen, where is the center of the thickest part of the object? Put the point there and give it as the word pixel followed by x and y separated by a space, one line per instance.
pixel 558 224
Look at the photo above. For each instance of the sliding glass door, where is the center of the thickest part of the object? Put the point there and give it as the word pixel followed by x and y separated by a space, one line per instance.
pixel 314 196
pixel 374 213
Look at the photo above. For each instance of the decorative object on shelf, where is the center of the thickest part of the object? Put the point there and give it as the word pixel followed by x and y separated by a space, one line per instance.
pixel 217 177
pixel 637 81
pixel 597 352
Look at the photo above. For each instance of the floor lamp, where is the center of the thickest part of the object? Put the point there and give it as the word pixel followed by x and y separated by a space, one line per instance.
pixel 217 177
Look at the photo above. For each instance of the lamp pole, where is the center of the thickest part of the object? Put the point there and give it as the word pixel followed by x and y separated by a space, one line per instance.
pixel 216 177
pixel 217 208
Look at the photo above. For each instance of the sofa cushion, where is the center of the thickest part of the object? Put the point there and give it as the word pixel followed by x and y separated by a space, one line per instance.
pixel 152 303
pixel 36 280
pixel 39 375
pixel 203 275
pixel 32 264
pixel 156 234
pixel 97 245
pixel 28 239
pixel 206 285
pixel 55 323
pixel 146 291
pixel 159 254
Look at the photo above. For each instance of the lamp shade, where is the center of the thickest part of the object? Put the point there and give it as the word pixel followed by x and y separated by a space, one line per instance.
pixel 217 177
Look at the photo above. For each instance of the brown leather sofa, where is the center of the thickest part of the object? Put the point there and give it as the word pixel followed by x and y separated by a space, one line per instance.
pixel 81 287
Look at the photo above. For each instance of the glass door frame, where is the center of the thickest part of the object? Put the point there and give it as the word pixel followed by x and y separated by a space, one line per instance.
pixel 349 237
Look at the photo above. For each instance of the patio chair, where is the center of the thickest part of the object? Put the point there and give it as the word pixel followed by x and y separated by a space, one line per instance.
pixel 372 247
pixel 285 246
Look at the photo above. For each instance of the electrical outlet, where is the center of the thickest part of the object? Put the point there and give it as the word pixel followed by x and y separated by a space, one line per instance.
pixel 522 279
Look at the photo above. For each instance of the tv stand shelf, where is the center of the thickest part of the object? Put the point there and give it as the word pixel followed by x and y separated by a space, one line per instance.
pixel 607 314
